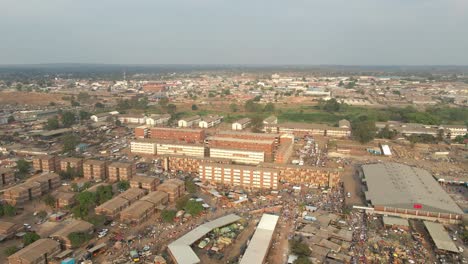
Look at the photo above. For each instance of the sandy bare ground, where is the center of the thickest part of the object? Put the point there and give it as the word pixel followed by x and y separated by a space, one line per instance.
pixel 26 98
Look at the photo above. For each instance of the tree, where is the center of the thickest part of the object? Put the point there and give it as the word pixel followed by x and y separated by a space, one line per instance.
pixel 269 107
pixel 256 123
pixel 182 202
pixel 118 122
pixel 171 109
pixel 257 98
pixel 9 210
pixel 42 214
pixel 163 102
pixel 103 193
pixel 11 119
pixel 234 107
pixel 460 139
pixel 99 105
pixel 74 103
pixel 364 131
pixel 69 142
pixel 190 186
pixel 83 96
pixel 10 250
pixel 302 260
pixel 251 106
pixel 387 133
pixel 68 119
pixel 193 207
pixel 78 238
pixel 52 123
pixel 84 115
pixel 123 185
pixel 50 200
pixel 168 215
pixel 29 238
pixel 340 84
pixel 299 248
pixel 331 105
pixel 23 166
pixel 194 107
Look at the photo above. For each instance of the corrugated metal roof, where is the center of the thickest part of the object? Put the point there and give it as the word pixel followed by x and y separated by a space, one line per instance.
pixel 401 186
pixel 440 237
pixel 260 243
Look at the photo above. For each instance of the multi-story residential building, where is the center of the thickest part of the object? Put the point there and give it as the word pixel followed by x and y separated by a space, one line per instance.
pixel 241 124
pixel 238 175
pixel 144 182
pixel 132 119
pixel 174 188
pixel 143 146
pixel 238 155
pixel 165 133
pixel 155 120
pixel 102 117
pixel 75 163
pixel 301 129
pixel 170 148
pixel 41 251
pixel 266 145
pixel 120 171
pixel 31 189
pixel 189 121
pixel 46 163
pixel 452 131
pixel 210 121
pixel 7 177
pixel 95 170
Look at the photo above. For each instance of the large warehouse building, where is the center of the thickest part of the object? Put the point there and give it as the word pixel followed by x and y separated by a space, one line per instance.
pixel 261 241
pixel 409 192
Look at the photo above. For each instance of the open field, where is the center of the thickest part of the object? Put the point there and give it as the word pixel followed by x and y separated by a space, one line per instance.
pixel 29 98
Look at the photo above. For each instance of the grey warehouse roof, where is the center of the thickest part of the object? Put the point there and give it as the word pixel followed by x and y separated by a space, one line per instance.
pixel 401 186
pixel 258 246
pixel 440 237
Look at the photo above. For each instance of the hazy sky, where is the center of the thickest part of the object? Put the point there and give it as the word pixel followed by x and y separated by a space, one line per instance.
pixel 352 32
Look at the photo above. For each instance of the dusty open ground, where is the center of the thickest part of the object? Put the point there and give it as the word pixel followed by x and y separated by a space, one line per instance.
pixel 26 98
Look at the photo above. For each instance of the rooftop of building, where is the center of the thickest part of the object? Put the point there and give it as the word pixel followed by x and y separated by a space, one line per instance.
pixel 94 162
pixel 113 204
pixel 181 250
pixel 121 165
pixel 402 186
pixel 242 121
pixel 440 237
pixel 241 140
pixel 192 130
pixel 143 179
pixel 155 197
pixel 251 134
pixel 137 208
pixel 73 226
pixel 260 242
pixel 36 250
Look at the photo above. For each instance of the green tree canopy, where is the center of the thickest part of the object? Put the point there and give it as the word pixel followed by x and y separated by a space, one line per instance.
pixel 29 238
pixel 69 142
pixel 364 131
pixel 77 239
pixel 168 215
pixel 23 166
pixel 50 200
pixel 123 185
pixel 68 119
pixel 193 207
pixel 52 123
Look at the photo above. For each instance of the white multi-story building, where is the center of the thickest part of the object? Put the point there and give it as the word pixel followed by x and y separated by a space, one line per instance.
pixel 237 175
pixel 143 147
pixel 132 119
pixel 239 156
pixel 155 120
pixel 192 150
pixel 241 124
pixel 189 122
pixel 210 121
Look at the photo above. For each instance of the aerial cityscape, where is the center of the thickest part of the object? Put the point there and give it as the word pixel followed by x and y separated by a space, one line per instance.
pixel 222 151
